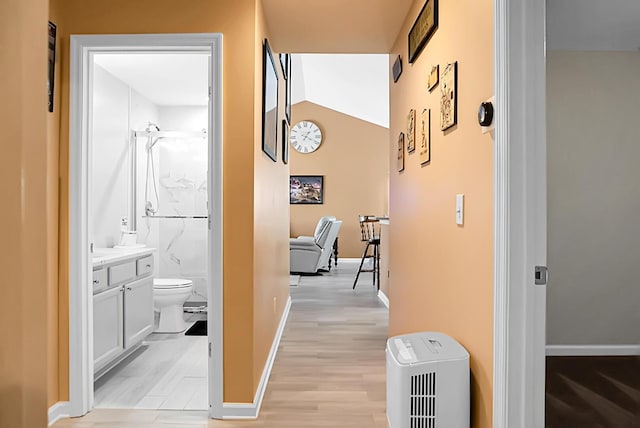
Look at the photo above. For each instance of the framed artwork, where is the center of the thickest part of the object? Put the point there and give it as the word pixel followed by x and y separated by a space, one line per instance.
pixel 425 140
pixel 434 76
pixel 400 161
pixel 423 28
pixel 285 62
pixel 285 141
pixel 51 63
pixel 449 96
pixel 397 69
pixel 269 103
pixel 411 131
pixel 306 189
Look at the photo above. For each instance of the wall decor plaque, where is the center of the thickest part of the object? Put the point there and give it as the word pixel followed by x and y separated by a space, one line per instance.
pixel 397 69
pixel 449 96
pixel 425 141
pixel 411 131
pixel 434 76
pixel 400 161
pixel 423 28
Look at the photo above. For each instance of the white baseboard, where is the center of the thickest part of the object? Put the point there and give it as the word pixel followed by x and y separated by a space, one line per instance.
pixel 252 410
pixel 592 350
pixel 383 298
pixel 62 409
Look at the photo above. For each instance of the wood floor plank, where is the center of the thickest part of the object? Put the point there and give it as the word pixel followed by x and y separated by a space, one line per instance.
pixel 329 370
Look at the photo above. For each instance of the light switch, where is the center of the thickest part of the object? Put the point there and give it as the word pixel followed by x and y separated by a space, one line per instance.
pixel 459 209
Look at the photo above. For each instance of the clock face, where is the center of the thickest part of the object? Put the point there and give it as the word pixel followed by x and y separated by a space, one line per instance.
pixel 306 137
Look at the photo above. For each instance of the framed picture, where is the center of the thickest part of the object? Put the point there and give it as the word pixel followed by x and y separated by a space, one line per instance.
pixel 449 96
pixel 397 69
pixel 434 76
pixel 285 63
pixel 285 141
pixel 425 140
pixel 411 131
pixel 423 28
pixel 269 103
pixel 400 161
pixel 306 189
pixel 52 63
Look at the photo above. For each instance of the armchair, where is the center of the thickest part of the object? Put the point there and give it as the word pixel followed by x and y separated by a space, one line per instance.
pixel 308 254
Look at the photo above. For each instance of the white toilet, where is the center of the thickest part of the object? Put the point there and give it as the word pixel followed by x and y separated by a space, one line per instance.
pixel 169 294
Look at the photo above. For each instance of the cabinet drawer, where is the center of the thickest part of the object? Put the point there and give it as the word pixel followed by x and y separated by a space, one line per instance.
pixel 122 272
pixel 145 266
pixel 99 280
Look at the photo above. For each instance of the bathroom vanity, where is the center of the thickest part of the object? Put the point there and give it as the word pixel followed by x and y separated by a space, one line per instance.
pixel 122 303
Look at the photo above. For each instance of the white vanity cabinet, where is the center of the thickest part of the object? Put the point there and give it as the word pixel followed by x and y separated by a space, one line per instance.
pixel 122 307
pixel 108 333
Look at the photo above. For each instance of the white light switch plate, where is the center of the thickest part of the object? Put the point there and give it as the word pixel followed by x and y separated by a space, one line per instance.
pixel 459 209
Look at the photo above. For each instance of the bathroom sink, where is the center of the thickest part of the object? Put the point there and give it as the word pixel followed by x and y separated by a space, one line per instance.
pixel 102 252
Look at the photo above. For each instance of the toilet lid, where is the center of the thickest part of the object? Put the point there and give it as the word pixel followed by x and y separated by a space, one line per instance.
pixel 171 283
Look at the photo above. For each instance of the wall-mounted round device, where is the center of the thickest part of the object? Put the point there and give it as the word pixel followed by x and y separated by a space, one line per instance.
pixel 485 113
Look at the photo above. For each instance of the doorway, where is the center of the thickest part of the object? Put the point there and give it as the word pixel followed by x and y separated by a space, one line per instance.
pixel 144 142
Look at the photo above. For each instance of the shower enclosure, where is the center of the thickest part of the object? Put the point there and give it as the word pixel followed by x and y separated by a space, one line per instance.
pixel 169 206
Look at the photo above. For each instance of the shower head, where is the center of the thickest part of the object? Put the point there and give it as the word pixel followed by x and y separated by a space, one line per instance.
pixel 152 125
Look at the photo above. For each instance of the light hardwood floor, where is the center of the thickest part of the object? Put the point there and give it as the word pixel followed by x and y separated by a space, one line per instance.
pixel 329 371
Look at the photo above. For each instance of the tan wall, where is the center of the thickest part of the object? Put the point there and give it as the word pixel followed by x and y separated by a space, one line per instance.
pixel 593 198
pixel 271 218
pixel 441 274
pixel 236 20
pixel 24 217
pixel 353 160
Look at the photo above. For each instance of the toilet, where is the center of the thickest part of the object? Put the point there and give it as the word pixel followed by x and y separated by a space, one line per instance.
pixel 169 294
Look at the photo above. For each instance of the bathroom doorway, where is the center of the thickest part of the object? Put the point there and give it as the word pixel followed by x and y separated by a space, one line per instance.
pixel 146 225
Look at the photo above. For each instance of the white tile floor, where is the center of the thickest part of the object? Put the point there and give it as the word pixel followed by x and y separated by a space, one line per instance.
pixel 168 372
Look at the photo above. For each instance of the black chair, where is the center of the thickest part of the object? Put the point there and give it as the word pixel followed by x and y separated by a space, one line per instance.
pixel 370 233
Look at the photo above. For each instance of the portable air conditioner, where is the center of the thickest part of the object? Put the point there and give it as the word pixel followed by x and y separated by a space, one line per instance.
pixel 427 382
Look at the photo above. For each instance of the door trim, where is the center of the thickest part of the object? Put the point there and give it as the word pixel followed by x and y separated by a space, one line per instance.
pixel 519 213
pixel 80 312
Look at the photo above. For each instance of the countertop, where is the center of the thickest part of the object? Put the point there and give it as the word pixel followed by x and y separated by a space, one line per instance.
pixel 104 256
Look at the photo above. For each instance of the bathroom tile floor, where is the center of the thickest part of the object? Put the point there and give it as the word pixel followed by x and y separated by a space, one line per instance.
pixel 168 372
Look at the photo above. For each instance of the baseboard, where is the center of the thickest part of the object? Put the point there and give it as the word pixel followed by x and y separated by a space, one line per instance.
pixel 252 410
pixel 62 409
pixel 592 350
pixel 383 298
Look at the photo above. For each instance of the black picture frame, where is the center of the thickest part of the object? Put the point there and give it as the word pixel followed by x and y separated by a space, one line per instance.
pixel 306 189
pixel 423 28
pixel 285 63
pixel 269 103
pixel 51 60
pixel 285 141
pixel 397 69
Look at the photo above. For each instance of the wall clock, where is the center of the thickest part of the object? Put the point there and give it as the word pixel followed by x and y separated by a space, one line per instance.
pixel 306 136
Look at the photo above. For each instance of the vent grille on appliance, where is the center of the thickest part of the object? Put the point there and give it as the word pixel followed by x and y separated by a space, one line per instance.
pixel 423 400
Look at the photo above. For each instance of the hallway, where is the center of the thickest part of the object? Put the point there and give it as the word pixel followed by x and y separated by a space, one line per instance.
pixel 329 371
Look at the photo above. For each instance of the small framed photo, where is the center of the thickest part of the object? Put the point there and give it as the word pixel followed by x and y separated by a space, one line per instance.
pixel 411 131
pixel 306 189
pixel 400 161
pixel 425 140
pixel 449 96
pixel 269 103
pixel 285 141
pixel 51 61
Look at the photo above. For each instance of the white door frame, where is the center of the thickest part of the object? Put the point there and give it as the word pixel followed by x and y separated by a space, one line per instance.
pixel 80 272
pixel 520 214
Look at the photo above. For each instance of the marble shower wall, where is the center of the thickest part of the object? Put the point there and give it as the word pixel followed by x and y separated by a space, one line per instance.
pixel 181 181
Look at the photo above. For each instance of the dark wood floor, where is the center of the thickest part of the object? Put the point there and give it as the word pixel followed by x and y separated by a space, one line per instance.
pixel 593 392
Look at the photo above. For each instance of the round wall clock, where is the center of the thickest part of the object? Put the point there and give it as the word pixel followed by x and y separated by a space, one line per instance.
pixel 306 136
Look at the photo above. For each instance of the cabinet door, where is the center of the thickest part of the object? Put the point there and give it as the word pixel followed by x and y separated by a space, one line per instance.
pixel 107 326
pixel 138 311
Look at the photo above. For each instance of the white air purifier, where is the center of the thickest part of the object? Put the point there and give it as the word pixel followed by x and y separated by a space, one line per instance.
pixel 427 382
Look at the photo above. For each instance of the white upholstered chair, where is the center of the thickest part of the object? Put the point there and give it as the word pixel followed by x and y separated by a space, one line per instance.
pixel 309 254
